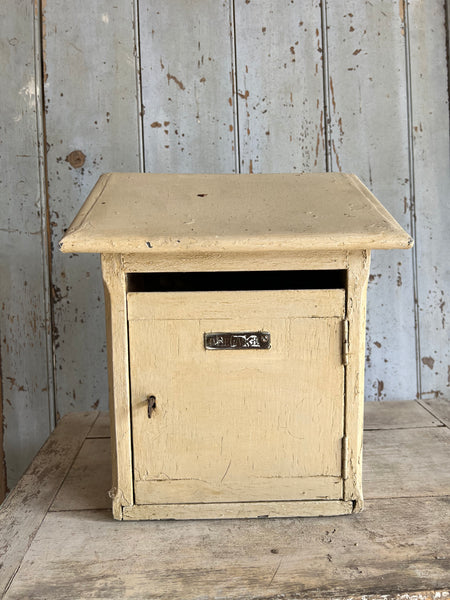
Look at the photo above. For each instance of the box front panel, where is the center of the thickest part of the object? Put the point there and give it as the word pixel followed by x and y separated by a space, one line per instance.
pixel 237 425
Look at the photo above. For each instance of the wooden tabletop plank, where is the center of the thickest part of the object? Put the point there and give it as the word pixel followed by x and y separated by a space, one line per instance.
pixel 101 427
pixel 401 414
pixel 89 480
pixel 439 407
pixel 180 213
pixel 411 462
pixel 22 512
pixel 406 462
pixel 395 546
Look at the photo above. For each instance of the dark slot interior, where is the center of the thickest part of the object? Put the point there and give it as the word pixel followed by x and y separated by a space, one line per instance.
pixel 236 280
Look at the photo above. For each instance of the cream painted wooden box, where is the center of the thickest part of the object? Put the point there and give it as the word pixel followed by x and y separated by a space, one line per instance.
pixel 236 313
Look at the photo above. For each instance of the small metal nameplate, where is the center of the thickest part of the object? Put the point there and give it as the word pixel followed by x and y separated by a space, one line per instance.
pixel 253 340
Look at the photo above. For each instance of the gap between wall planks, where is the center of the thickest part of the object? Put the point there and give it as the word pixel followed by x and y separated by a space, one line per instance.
pixel 101 100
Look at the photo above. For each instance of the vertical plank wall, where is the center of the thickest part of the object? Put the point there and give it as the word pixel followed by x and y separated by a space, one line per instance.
pixel 431 187
pixel 25 355
pixel 187 86
pixel 279 86
pixel 369 136
pixel 92 127
pixel 213 86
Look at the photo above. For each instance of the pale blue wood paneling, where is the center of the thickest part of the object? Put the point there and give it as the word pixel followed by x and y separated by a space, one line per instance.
pixel 430 130
pixel 91 110
pixel 280 86
pixel 23 271
pixel 187 86
pixel 369 136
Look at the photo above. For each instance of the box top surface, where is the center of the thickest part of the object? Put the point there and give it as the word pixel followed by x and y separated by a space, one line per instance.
pixel 156 213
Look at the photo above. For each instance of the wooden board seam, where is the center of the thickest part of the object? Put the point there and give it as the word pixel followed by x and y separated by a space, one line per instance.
pixel 428 409
pixel 403 428
pixel 19 497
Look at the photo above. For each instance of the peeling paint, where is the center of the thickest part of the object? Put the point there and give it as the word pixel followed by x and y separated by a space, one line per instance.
pixel 333 101
pixel 179 83
pixel 428 361
pixel 401 10
pixel 399 277
pixel 245 95
pixel 379 385
pixel 338 163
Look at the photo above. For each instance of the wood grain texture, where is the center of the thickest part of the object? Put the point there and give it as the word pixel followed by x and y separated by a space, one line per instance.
pixel 395 546
pixel 187 86
pixel 232 426
pixel 154 213
pixel 91 127
pixel 235 261
pixel 357 276
pixel 24 509
pixel 402 414
pixel 279 86
pixel 262 304
pixel 407 462
pixel 119 383
pixel 27 390
pixel 369 135
pixel 430 131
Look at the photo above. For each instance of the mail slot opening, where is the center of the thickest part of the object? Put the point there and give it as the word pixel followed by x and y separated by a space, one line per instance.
pixel 236 281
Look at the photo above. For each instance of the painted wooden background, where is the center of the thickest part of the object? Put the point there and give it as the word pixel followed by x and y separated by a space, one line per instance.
pixel 213 86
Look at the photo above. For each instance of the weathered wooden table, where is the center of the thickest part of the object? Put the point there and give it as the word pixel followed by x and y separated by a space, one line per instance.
pixel 59 540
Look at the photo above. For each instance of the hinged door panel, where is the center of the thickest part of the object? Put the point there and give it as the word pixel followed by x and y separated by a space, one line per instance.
pixel 237 425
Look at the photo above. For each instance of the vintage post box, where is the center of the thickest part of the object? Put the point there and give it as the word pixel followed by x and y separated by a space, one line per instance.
pixel 235 312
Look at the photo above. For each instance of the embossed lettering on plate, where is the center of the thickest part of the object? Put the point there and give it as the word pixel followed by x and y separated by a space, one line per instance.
pixel 247 340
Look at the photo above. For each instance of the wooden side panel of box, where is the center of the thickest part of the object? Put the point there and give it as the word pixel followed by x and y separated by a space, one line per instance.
pixel 357 278
pixel 114 280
